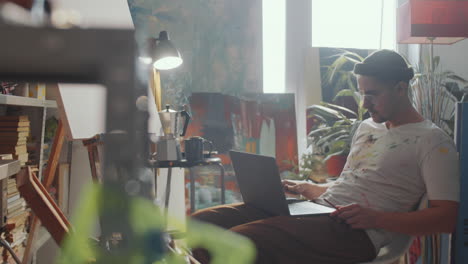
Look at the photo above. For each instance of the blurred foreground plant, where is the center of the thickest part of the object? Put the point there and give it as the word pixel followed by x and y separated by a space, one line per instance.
pixel 147 242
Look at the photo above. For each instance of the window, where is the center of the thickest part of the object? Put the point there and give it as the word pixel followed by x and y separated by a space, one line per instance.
pixel 360 24
pixel 274 45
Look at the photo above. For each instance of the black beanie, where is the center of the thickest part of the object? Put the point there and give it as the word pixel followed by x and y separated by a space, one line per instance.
pixel 385 65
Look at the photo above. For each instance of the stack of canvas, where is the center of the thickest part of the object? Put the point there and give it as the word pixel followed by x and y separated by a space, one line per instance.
pixel 14 131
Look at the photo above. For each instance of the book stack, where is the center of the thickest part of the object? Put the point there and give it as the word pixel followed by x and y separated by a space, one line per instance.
pixel 14 132
pixel 16 216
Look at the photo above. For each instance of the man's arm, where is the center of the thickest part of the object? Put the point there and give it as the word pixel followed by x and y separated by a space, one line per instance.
pixel 309 190
pixel 440 217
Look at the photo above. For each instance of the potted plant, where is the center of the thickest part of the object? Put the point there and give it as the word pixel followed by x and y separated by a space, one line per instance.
pixel 311 168
pixel 332 126
pixel 331 137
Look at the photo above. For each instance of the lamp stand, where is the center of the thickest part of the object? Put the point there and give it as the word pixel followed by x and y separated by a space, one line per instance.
pixel 431 55
pixel 155 84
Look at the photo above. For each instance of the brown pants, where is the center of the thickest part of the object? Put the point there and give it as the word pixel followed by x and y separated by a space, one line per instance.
pixel 287 239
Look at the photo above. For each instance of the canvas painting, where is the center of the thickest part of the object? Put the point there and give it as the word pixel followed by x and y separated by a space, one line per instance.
pixel 258 123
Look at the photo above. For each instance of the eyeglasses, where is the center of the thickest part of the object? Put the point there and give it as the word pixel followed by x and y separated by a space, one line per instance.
pixel 369 97
pixel 375 94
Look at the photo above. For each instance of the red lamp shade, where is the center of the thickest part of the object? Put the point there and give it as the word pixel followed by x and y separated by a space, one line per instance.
pixel 444 20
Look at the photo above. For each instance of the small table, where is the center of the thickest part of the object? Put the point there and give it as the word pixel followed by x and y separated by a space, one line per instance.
pixel 207 161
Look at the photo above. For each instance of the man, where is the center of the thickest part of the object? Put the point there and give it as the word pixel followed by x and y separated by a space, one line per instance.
pixel 396 158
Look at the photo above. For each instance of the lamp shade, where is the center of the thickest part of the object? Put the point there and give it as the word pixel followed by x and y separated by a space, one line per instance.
pixel 445 22
pixel 166 56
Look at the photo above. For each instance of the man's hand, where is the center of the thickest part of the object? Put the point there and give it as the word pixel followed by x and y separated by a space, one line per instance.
pixel 357 216
pixel 440 217
pixel 309 190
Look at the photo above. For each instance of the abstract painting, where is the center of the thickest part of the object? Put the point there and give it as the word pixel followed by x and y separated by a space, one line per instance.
pixel 257 123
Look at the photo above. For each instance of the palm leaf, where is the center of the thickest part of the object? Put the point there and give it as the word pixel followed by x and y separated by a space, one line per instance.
pixel 457 78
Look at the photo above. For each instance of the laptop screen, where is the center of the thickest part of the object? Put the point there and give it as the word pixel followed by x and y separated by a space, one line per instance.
pixel 260 182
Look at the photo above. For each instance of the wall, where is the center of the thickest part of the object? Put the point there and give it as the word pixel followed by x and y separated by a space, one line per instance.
pixel 453 57
pixel 219 41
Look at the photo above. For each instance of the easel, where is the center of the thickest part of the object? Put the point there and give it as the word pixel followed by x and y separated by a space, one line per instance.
pixel 51 168
pixel 47 182
pixel 93 155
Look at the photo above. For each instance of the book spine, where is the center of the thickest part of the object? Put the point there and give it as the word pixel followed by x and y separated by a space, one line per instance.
pixel 15 123
pixel 14 118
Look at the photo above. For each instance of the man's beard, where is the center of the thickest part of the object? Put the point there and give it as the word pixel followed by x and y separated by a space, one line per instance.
pixel 377 117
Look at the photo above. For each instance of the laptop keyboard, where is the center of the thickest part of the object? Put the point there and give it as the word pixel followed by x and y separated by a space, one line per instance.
pixel 307 208
pixel 290 200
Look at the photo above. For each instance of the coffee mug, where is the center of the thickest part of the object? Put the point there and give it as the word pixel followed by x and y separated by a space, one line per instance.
pixel 194 148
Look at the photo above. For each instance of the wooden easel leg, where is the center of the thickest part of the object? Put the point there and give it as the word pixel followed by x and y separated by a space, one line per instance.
pixel 48 179
pixel 97 163
pixel 35 224
pixel 92 163
pixel 54 155
pixel 91 145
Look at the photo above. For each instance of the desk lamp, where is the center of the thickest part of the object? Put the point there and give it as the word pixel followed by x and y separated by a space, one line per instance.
pixel 164 56
pixel 161 52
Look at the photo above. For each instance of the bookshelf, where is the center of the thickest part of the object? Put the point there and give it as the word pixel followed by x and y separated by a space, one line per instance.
pixel 26 101
pixel 37 111
pixel 7 168
pixel 37 108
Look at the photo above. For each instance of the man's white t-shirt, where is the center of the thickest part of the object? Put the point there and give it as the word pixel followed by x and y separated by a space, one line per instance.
pixel 390 169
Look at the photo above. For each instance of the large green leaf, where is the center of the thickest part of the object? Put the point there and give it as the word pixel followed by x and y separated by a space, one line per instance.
pixel 326 130
pixel 337 65
pixel 325 112
pixel 344 92
pixel 331 137
pixel 334 153
pixel 342 110
pixel 344 122
pixel 319 131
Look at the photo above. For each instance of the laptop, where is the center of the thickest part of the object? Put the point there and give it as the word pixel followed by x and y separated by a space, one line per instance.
pixel 260 185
